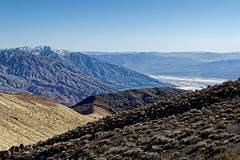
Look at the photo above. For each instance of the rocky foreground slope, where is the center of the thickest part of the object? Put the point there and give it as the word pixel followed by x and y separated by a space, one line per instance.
pixel 198 125
pixel 112 103
pixel 27 119
pixel 39 75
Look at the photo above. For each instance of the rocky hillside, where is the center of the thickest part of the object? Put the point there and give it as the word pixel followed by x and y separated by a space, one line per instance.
pixel 27 73
pixel 27 119
pixel 198 125
pixel 124 100
pixel 117 76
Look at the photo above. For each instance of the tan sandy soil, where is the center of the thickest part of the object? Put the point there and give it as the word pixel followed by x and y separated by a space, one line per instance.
pixel 27 119
pixel 98 113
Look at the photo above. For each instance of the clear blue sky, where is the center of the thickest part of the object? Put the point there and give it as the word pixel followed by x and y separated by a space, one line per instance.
pixel 122 25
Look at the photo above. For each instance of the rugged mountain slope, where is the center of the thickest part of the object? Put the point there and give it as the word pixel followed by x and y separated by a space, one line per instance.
pixel 117 76
pixel 44 76
pixel 198 125
pixel 27 119
pixel 124 100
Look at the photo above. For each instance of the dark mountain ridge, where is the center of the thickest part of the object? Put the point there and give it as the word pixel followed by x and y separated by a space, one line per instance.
pixel 27 73
pixel 197 125
pixel 125 100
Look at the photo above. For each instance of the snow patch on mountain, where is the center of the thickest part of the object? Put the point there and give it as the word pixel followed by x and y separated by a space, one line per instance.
pixel 40 49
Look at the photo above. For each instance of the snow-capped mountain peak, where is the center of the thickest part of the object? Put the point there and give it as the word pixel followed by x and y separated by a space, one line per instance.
pixel 43 50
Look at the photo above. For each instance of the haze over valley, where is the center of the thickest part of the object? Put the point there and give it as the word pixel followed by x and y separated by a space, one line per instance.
pixel 186 70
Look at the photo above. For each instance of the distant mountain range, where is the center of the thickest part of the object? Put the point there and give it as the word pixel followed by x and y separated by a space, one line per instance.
pixel 27 119
pixel 192 64
pixel 112 103
pixel 117 76
pixel 28 73
pixel 64 76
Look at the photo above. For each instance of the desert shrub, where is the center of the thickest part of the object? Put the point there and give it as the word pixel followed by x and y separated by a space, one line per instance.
pixel 168 146
pixel 233 139
pixel 148 132
pixel 200 156
pixel 190 140
pixel 176 154
pixel 185 118
pixel 238 119
pixel 228 110
pixel 105 141
pixel 158 139
pixel 87 136
pixel 188 131
pixel 185 133
pixel 181 146
pixel 218 136
pixel 135 136
pixel 101 158
pixel 113 150
pixel 197 118
pixel 237 139
pixel 110 134
pixel 196 125
pixel 176 133
pixel 157 148
pixel 228 154
pixel 133 153
pixel 21 146
pixel 130 144
pixel 152 156
pixel 206 132
pixel 222 126
pixel 202 144
pixel 167 158
pixel 86 146
pixel 104 148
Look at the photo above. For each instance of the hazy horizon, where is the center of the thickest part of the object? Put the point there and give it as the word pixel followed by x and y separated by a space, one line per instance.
pixel 97 51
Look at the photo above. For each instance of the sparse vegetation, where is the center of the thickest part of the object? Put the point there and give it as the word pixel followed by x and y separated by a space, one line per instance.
pixel 228 154
pixel 167 129
pixel 125 100
pixel 34 118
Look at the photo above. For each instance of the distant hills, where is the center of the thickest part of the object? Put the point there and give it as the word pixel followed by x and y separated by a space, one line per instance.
pixel 112 103
pixel 28 73
pixel 191 64
pixel 197 125
pixel 114 75
pixel 27 119
pixel 228 69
